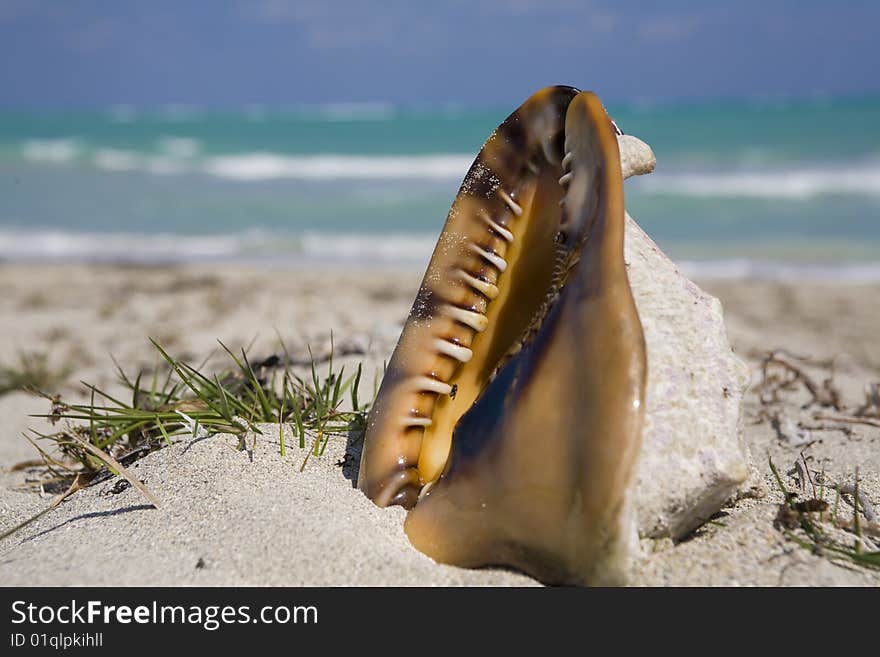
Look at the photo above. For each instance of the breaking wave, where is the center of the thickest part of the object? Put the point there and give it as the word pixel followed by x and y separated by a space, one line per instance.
pixel 397 250
pixel 183 155
pixel 790 184
pixel 268 166
pixel 186 156
pixel 55 151
pixel 250 245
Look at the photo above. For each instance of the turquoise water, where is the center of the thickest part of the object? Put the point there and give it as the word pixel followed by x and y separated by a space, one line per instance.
pixel 795 183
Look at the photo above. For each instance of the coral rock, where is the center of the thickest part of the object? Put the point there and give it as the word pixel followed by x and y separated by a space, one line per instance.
pixel 693 455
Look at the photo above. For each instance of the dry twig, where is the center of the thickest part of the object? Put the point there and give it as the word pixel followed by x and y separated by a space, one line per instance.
pixel 116 465
pixel 824 394
pixel 848 419
pixel 74 486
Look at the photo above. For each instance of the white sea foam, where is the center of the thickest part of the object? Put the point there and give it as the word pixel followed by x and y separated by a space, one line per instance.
pixel 792 184
pixel 251 245
pixel 56 151
pixel 767 270
pixel 56 245
pixel 267 166
pixel 405 250
pixel 61 245
pixel 111 159
pixel 185 155
pixel 182 155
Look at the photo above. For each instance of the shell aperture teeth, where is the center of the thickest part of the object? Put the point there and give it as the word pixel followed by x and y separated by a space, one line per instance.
pixel 455 351
pixel 426 489
pixel 566 179
pixel 493 258
pixel 415 421
pixel 513 205
pixel 485 288
pixel 495 226
pixel 400 487
pixel 428 384
pixel 476 321
pixel 566 161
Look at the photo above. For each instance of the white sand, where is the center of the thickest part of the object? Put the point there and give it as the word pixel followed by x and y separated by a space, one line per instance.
pixel 229 519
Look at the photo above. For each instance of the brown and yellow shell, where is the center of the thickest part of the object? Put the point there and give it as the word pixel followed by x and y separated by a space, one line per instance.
pixel 509 418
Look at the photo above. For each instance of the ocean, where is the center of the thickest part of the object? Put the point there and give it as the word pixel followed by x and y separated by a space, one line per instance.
pixel 742 189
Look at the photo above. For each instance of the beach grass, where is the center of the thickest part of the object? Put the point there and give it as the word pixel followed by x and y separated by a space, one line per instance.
pixel 179 399
pixel 808 524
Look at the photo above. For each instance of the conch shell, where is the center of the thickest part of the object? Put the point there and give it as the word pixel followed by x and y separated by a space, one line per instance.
pixel 510 416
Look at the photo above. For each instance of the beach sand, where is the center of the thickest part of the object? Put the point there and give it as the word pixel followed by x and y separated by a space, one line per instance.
pixel 231 517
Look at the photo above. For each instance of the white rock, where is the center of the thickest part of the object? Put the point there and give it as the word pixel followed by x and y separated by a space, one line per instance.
pixel 693 456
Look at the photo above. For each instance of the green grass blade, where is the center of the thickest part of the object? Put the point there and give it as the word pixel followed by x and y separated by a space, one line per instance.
pixel 354 388
pixel 164 432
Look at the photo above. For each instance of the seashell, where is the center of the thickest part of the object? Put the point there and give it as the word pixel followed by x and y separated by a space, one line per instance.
pixel 510 416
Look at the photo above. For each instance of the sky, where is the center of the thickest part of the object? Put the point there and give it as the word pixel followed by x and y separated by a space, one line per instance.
pixel 276 53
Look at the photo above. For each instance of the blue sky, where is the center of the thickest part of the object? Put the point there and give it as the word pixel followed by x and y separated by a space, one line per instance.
pixel 230 53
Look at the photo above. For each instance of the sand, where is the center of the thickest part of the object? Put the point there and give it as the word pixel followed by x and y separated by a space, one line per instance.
pixel 232 517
